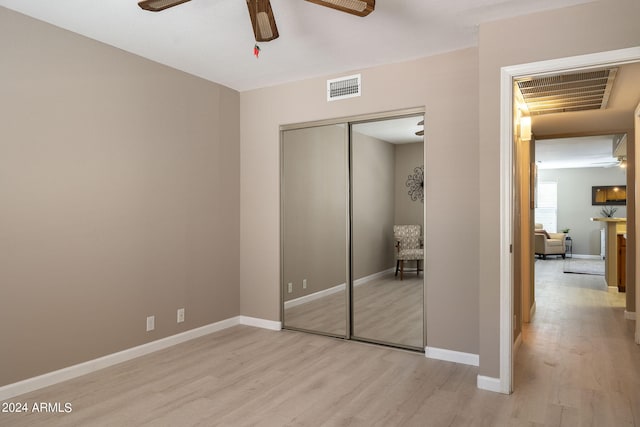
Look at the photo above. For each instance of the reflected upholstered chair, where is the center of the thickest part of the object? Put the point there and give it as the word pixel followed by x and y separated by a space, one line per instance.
pixel 408 242
pixel 549 243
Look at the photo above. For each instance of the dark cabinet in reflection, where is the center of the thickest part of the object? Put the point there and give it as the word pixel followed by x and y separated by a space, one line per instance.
pixel 609 195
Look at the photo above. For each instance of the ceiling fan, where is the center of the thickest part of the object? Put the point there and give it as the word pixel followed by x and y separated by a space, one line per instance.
pixel 262 19
pixel 620 161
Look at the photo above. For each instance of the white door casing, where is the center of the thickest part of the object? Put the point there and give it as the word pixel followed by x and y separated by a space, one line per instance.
pixel 507 75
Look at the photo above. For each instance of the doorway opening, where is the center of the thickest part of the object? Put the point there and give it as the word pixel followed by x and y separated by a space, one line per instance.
pixel 510 221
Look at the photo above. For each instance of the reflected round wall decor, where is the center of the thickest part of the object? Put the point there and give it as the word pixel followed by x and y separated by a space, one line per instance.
pixel 415 182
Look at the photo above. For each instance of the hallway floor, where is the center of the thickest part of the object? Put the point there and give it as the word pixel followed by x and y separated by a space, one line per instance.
pixel 578 363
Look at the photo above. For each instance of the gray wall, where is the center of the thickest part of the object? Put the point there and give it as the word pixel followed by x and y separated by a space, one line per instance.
pixel 314 194
pixel 574 203
pixel 373 163
pixel 119 183
pixel 447 86
pixel 315 208
pixel 407 211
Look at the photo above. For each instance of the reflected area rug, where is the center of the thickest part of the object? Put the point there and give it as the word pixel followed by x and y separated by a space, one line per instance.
pixel 584 266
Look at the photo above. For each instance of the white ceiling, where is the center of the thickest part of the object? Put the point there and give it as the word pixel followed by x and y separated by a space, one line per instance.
pixel 579 152
pixel 395 131
pixel 213 39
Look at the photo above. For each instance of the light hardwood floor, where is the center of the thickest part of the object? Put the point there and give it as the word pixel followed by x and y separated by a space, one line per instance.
pixel 385 309
pixel 577 366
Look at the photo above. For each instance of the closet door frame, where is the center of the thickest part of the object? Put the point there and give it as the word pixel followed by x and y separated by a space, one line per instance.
pixel 283 282
pixel 347 122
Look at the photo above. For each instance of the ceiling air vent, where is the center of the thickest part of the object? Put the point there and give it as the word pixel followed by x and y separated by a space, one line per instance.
pixel 561 93
pixel 344 87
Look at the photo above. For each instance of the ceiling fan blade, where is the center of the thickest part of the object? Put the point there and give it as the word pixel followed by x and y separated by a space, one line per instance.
pixel 262 20
pixel 158 5
pixel 354 7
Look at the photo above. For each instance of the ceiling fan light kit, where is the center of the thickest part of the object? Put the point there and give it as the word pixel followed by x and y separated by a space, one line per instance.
pixel 354 7
pixel 158 5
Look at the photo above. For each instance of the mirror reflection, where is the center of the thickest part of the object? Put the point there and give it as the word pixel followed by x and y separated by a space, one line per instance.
pixel 387 175
pixel 314 211
pixel 352 230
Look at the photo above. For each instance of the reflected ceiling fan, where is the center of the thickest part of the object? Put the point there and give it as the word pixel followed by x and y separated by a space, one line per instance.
pixel 262 19
pixel 620 161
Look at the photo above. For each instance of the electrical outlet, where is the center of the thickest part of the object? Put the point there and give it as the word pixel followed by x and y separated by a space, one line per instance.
pixel 180 315
pixel 304 283
pixel 151 323
pixel 290 287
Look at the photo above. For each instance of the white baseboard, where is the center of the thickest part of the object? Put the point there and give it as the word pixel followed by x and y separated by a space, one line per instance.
pixel 366 279
pixel 516 344
pixel 25 386
pixel 532 312
pixel 490 384
pixel 334 289
pixel 314 296
pixel 630 315
pixel 261 323
pixel 452 356
pixel 586 256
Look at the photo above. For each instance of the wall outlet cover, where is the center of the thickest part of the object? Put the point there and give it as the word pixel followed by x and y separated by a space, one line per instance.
pixel 151 323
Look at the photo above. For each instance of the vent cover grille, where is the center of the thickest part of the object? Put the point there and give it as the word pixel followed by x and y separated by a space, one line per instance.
pixel 344 87
pixel 587 90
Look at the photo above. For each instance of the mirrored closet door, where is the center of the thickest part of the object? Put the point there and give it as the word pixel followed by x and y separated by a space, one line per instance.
pixel 314 228
pixel 387 211
pixel 352 210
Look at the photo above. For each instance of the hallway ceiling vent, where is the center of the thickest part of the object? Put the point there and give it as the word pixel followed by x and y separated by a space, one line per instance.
pixel 344 87
pixel 562 93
